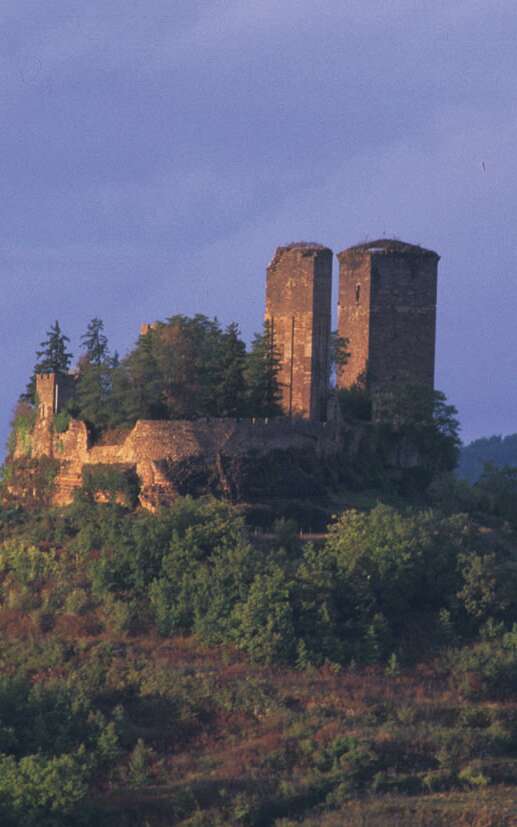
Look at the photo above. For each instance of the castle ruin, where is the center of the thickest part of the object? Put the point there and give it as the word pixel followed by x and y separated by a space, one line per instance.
pixel 386 317
pixel 386 314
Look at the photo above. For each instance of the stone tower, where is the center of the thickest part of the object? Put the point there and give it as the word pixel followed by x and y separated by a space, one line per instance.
pixel 387 311
pixel 298 296
pixel 53 391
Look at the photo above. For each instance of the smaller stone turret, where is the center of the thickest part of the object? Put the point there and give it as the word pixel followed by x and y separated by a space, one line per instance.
pixel 53 391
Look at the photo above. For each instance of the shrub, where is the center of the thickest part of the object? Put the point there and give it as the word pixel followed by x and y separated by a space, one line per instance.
pixel 29 482
pixel 61 422
pixel 263 624
pixel 496 491
pixel 22 425
pixel 43 791
pixel 487 669
pixel 140 765
pixel 355 402
pixel 473 775
pixel 123 616
pixel 77 601
pixel 388 568
pixel 27 565
pixel 489 588
pixel 110 483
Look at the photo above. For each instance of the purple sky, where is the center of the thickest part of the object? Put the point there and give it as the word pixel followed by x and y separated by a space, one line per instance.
pixel 154 153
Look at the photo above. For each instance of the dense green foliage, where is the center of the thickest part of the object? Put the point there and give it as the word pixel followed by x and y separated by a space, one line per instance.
pixel 184 368
pixel 426 416
pixel 102 697
pixel 493 497
pixel 494 450
pixel 383 581
pixel 263 391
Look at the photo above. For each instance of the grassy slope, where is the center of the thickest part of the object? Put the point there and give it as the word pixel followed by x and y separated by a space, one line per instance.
pixel 240 744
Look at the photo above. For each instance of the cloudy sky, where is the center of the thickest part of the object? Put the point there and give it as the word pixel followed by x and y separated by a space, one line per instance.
pixel 153 154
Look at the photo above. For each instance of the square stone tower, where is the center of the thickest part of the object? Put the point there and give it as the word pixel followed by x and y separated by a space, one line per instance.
pixel 298 296
pixel 387 311
pixel 53 391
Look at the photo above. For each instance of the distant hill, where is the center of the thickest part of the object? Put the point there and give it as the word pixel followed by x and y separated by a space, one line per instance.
pixel 494 449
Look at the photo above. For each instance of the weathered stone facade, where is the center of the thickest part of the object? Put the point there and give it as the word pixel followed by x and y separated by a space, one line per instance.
pixel 53 391
pixel 179 457
pixel 387 312
pixel 298 297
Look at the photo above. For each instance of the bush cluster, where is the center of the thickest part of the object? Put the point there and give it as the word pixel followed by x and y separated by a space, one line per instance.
pixel 385 588
pixel 383 581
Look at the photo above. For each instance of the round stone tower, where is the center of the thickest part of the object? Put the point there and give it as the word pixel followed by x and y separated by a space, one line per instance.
pixel 387 312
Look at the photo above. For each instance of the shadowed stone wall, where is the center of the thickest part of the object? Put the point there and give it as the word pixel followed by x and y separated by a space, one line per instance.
pixel 158 451
pixel 387 311
pixel 298 296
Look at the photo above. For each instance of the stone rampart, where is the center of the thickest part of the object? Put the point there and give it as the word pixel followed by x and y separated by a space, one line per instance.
pixel 160 450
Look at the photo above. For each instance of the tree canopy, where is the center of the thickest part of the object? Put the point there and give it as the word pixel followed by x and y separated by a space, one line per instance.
pixel 182 368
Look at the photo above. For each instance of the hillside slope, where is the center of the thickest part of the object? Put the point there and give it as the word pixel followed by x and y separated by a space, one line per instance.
pixel 176 670
pixel 496 450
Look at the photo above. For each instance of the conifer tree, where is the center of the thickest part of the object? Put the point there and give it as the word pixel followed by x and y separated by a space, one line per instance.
pixel 94 385
pixel 121 396
pixel 262 367
pixel 52 357
pixel 95 343
pixel 231 387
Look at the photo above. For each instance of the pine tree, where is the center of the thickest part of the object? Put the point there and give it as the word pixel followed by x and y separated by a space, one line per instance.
pixel 94 385
pixel 95 343
pixel 262 367
pixel 52 357
pixel 92 396
pixel 231 387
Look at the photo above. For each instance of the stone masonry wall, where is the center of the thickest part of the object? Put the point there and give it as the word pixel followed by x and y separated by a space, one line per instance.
pixel 298 297
pixel 53 390
pixel 152 448
pixel 354 315
pixel 387 309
